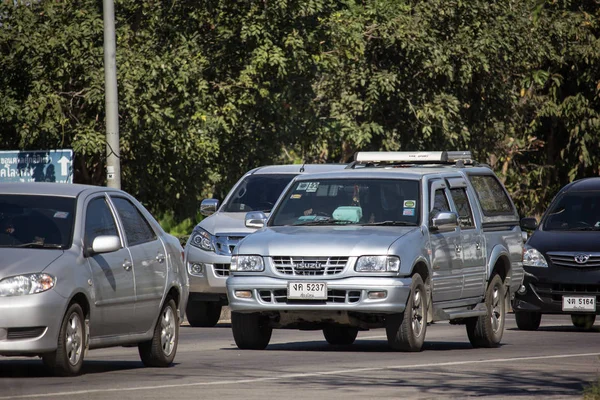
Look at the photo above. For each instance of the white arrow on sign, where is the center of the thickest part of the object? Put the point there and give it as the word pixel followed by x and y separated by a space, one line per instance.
pixel 64 164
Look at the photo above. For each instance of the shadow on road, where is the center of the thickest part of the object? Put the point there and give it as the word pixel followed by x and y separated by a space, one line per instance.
pixel 35 368
pixel 563 328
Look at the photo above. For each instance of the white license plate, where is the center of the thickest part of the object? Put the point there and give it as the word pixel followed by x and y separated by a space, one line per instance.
pixel 307 291
pixel 579 303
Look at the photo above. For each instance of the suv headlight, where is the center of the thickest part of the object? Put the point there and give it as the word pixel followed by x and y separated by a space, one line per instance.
pixel 533 258
pixel 247 263
pixel 202 240
pixel 377 264
pixel 21 285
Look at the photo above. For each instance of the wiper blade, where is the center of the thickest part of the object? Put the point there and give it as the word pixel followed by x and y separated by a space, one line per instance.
pixel 391 223
pixel 325 221
pixel 585 228
pixel 40 245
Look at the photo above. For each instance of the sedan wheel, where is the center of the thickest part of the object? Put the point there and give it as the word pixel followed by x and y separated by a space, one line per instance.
pixel 160 351
pixel 68 357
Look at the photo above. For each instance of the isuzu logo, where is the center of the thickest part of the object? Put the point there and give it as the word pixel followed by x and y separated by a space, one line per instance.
pixel 582 258
pixel 308 266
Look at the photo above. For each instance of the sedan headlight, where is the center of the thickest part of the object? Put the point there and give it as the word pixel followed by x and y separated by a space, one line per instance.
pixel 378 264
pixel 26 284
pixel 247 263
pixel 202 240
pixel 533 258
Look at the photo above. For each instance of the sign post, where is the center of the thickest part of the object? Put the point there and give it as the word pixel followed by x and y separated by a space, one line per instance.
pixel 37 166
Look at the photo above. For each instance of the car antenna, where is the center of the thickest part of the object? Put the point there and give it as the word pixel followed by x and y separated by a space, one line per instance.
pixel 302 167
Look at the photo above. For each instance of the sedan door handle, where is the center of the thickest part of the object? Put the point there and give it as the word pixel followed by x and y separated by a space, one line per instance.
pixel 127 265
pixel 160 258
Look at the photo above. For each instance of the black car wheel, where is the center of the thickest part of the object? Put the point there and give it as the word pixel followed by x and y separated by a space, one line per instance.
pixel 527 320
pixel 583 321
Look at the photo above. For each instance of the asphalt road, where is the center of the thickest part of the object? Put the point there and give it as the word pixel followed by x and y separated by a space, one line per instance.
pixel 557 361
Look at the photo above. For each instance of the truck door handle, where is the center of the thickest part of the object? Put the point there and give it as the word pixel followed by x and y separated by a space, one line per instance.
pixel 458 248
pixel 478 246
pixel 160 257
pixel 127 265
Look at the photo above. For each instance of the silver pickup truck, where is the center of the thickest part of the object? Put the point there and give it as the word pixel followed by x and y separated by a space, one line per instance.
pixel 395 240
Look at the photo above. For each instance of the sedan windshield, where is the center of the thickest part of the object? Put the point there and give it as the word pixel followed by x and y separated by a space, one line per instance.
pixel 350 201
pixel 575 211
pixel 36 221
pixel 257 193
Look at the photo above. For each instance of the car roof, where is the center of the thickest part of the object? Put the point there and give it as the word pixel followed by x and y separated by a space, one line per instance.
pixel 584 185
pixel 407 172
pixel 296 168
pixel 49 188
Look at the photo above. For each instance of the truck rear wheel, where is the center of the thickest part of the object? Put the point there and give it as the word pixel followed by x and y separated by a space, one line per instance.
pixel 203 313
pixel 487 330
pixel 250 331
pixel 406 331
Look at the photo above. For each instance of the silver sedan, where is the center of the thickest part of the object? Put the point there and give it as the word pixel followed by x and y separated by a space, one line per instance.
pixel 84 267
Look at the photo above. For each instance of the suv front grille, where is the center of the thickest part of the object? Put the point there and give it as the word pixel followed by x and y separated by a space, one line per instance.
pixel 222 269
pixel 568 260
pixel 307 266
pixel 25 333
pixel 333 297
pixel 556 291
pixel 226 244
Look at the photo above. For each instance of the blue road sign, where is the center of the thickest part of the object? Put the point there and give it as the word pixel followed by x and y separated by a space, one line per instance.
pixel 37 166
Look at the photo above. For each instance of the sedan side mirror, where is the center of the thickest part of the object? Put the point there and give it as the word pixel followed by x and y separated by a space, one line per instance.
pixel 256 219
pixel 104 244
pixel 444 220
pixel 529 224
pixel 209 207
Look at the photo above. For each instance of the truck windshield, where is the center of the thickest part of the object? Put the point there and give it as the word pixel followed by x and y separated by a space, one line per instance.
pixel 36 221
pixel 574 211
pixel 379 202
pixel 257 193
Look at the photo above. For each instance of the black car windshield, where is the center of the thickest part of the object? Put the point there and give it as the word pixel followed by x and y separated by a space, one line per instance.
pixel 35 221
pixel 574 211
pixel 379 202
pixel 257 193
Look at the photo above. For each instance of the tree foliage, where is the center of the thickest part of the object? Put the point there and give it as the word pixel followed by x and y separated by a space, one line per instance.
pixel 209 89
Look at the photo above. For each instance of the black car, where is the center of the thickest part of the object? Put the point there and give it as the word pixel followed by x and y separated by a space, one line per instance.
pixel 562 259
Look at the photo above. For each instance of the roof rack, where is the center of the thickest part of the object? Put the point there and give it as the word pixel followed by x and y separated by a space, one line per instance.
pixel 391 158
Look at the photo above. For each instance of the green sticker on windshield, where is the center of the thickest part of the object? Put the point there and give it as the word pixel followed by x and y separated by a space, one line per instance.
pixel 410 204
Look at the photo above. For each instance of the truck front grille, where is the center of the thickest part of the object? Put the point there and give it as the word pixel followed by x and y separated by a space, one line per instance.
pixel 334 296
pixel 222 269
pixel 226 243
pixel 307 266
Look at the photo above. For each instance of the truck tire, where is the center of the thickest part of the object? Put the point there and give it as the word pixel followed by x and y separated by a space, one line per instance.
pixel 203 313
pixel 487 330
pixel 161 349
pixel 406 331
pixel 528 320
pixel 250 331
pixel 583 321
pixel 340 335
pixel 68 357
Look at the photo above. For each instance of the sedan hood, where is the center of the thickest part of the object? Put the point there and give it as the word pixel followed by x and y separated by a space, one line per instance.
pixel 322 241
pixel 584 241
pixel 25 261
pixel 226 222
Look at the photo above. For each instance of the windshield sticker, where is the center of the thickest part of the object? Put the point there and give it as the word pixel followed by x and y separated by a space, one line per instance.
pixel 312 187
pixel 302 186
pixel 242 206
pixel 296 196
pixel 61 214
pixel 409 212
pixel 410 204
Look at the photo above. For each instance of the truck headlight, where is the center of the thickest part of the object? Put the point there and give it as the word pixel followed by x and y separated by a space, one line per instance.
pixel 21 285
pixel 377 264
pixel 533 258
pixel 247 263
pixel 202 240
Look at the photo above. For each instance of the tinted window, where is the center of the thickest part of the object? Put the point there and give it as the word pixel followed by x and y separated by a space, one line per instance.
pixel 350 201
pixel 257 193
pixel 137 229
pixel 440 202
pixel 99 220
pixel 36 221
pixel 461 201
pixel 491 195
pixel 579 211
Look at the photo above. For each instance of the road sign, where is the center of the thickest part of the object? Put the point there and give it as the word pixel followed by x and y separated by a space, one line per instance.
pixel 37 166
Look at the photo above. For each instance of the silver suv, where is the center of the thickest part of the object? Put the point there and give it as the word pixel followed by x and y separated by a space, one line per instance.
pixel 396 240
pixel 208 250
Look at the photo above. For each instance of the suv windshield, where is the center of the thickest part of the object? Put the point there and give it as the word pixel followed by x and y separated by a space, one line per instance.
pixel 36 221
pixel 574 211
pixel 257 193
pixel 350 201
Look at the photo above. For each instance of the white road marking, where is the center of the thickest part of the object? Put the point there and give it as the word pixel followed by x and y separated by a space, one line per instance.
pixel 300 375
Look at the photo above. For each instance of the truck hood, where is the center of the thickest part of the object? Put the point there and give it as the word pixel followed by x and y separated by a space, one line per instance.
pixel 584 241
pixel 25 261
pixel 322 241
pixel 226 222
